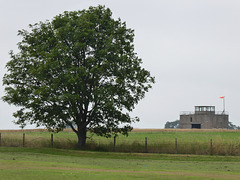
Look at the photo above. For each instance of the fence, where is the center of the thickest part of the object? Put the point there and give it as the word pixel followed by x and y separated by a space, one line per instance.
pixel 22 140
pixel 114 145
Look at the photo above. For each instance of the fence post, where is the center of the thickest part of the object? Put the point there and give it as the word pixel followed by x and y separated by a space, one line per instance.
pixel 52 140
pixel 23 139
pixel 146 148
pixel 211 146
pixel 115 143
pixel 0 139
pixel 176 145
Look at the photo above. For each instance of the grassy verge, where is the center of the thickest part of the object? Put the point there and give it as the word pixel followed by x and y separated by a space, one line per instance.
pixel 32 163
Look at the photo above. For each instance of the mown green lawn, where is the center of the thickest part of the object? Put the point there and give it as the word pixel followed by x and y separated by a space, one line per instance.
pixel 44 163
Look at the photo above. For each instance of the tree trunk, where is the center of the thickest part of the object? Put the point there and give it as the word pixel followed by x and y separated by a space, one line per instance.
pixel 82 136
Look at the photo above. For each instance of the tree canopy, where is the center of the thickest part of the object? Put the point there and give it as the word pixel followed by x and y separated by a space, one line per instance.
pixel 232 126
pixel 172 125
pixel 78 70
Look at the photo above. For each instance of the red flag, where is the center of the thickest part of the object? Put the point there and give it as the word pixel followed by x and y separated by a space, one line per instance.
pixel 222 97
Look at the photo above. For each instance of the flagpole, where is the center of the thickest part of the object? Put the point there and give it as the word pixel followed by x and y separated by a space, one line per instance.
pixel 223 97
pixel 223 104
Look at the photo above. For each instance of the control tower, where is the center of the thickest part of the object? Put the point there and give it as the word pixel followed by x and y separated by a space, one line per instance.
pixel 204 117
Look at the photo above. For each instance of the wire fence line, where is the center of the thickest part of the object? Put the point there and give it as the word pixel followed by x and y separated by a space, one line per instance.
pixel 175 146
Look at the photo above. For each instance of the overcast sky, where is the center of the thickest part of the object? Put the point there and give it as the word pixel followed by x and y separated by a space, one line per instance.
pixel 192 47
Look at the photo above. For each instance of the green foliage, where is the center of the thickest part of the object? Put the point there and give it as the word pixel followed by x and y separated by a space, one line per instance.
pixel 172 125
pixel 232 126
pixel 78 70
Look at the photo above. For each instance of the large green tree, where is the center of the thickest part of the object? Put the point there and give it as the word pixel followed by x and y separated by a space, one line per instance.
pixel 78 70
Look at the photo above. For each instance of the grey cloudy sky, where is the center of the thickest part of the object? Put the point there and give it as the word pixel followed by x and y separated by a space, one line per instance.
pixel 192 47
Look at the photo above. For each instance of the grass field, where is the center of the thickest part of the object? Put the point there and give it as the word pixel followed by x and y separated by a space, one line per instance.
pixel 37 161
pixel 224 142
pixel 51 163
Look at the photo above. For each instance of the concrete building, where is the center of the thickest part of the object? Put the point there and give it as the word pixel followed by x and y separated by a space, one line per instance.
pixel 204 117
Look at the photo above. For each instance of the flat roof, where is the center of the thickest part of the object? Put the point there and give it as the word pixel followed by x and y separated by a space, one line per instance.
pixel 204 106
